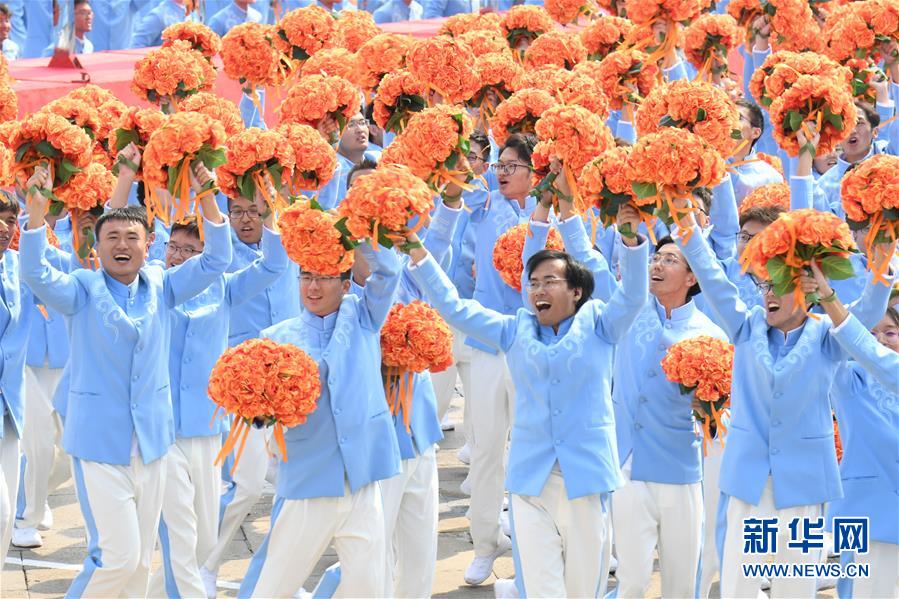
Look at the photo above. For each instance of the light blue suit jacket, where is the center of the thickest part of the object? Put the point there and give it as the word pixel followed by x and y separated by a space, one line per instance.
pixel 14 325
pixel 119 379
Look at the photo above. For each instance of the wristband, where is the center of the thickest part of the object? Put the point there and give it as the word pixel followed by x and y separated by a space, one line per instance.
pixel 829 299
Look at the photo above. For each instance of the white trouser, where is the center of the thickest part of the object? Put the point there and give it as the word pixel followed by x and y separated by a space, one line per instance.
pixel 733 584
pixel 883 569
pixel 9 483
pixel 491 405
pixel 301 531
pixel 410 518
pixel 647 514
pixel 121 506
pixel 189 526
pixel 47 465
pixel 248 482
pixel 445 382
pixel 711 472
pixel 563 544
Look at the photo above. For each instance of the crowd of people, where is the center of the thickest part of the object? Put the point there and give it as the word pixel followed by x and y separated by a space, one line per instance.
pixel 587 460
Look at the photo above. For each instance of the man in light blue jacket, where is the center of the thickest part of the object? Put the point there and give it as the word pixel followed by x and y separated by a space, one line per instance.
pixel 119 423
pixel 328 489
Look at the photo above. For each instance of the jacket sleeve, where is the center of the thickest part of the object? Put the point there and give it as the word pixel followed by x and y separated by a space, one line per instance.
pixel 381 286
pixel 194 275
pixel 880 362
pixel 628 300
pixel 246 283
pixel 577 243
pixel 59 290
pixel 725 220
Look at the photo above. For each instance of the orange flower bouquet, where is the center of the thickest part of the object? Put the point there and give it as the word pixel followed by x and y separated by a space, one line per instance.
pixel 52 239
pixel 786 247
pixel 702 366
pixel 44 137
pixel 218 109
pixel 549 77
pixel 414 338
pixel 77 112
pixel 93 95
pixel 848 34
pixel 671 164
pixel 316 97
pixel 585 90
pixel 568 11
pixel 304 31
pixel 781 70
pixel 870 195
pixel 337 62
pixel 380 55
pixel 773 161
pixel 446 66
pixel 523 24
pixel 172 73
pixel 604 184
pixel 460 24
pixel 817 99
pixel 399 96
pixel 185 137
pixel 627 77
pixel 86 191
pixel 575 136
pixel 381 204
pixel 250 57
pixel 519 113
pixel 7 166
pixel 200 37
pixel 283 390
pixel 435 146
pixel 9 103
pixel 135 126
pixel 484 42
pixel 605 35
pixel 315 159
pixel 557 48
pixel 708 40
pixel 745 12
pixel 256 160
pixel 647 13
pixel 508 249
pixel 771 195
pixel 498 74
pixel 354 28
pixel 312 240
pixel 793 25
pixel 696 106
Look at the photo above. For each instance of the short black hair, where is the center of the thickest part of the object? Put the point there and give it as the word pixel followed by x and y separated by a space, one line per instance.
pixel 893 315
pixel 188 225
pixel 523 144
pixel 8 201
pixel 668 240
pixel 871 115
pixel 761 214
pixel 367 164
pixel 756 118
pixel 79 2
pixel 480 138
pixel 577 275
pixel 128 214
pixel 4 10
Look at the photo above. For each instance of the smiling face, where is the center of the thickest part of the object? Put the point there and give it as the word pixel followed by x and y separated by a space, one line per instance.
pixel 246 219
pixel 322 295
pixel 9 219
pixel 513 175
pixel 782 311
pixel 669 275
pixel 887 331
pixel 824 162
pixel 122 247
pixel 550 295
pixel 182 246
pixel 859 141
pixel 355 136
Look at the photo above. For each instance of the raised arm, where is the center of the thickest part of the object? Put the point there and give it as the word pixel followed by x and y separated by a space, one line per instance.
pixel 628 300
pixel 252 280
pixel 381 285
pixel 725 220
pixel 127 161
pixel 439 238
pixel 577 243
pixel 881 362
pixel 870 307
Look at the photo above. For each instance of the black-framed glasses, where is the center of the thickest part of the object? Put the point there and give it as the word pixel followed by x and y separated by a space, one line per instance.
pixel 507 168
pixel 548 284
pixel 308 279
pixel 743 237
pixel 664 259
pixel 185 251
pixel 358 124
pixel 239 213
pixel 764 287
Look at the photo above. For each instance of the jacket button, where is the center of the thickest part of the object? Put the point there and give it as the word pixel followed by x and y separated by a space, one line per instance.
pixel 774 451
pixel 331 381
pixel 552 352
pixel 775 423
pixel 187 360
pixel 190 333
pixel 642 399
pixel 556 381
pixel 135 377
pixel 558 441
pixel 638 426
pixel 185 386
pixel 651 374
pixel 337 411
pixel 667 325
pixel 778 395
pixel 134 406
pixel 556 412
pixel 343 440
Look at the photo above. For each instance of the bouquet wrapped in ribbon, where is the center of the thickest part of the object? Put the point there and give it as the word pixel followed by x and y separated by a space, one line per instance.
pixel 584 89
pixel 870 195
pixel 87 191
pixel 446 66
pixel 605 35
pixel 781 70
pixel 508 249
pixel 498 74
pixel 558 48
pixel 566 12
pixel 821 100
pixel 627 77
pixel 173 148
pixel 250 57
pixel 380 205
pixel 9 102
pixel 382 54
pixel 135 126
pixel 78 112
pixel 108 107
pixel 52 239
pixel 771 195
pixel 302 32
pixel 312 239
pixel 200 37
pixel 171 73
pixel 793 25
pixel 414 338
pixel 399 96
pixel 519 113
pixel 218 108
pixel 283 390
pixel 647 14
pixel 702 367
pixel 604 184
pixel 435 146
pixel 671 164
pixel 707 42
pixel 257 160
pixel 316 97
pixel 484 42
pixel 460 24
pixel 523 24
pixel 354 28
pixel 549 78
pixel 336 62
pixel 745 12
pixel 786 247
pixel 694 106
pixel 852 40
pixel 315 159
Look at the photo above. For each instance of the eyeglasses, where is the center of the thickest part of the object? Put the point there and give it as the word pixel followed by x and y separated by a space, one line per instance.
pixel 745 237
pixel 764 287
pixel 238 213
pixel 664 259
pixel 358 124
pixel 548 284
pixel 507 168
pixel 307 279
pixel 473 157
pixel 185 251
pixel 891 335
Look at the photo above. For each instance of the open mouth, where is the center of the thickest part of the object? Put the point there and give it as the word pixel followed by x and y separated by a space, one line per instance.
pixel 246 229
pixel 656 278
pixel 542 306
pixel 772 307
pixel 502 182
pixel 122 258
pixel 852 140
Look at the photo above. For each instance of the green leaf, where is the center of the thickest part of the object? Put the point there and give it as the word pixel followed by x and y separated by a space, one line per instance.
pixel 766 101
pixel 44 148
pixel 23 149
pixel 340 225
pixel 87 242
pixel 56 207
pixel 837 268
pixel 793 121
pixel 174 172
pixel 667 121
pixel 341 121
pixel 451 161
pixel 834 119
pixel 383 239
pixel 65 171
pixel 613 200
pixel 857 225
pixel 313 203
pixel 778 270
pixel 784 287
pixel 211 158
pixel 700 115
pixel 123 137
pixel 275 171
pixel 299 54
pixel 890 214
pixel 464 146
pixel 736 134
pixel 246 186
pixel 645 190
